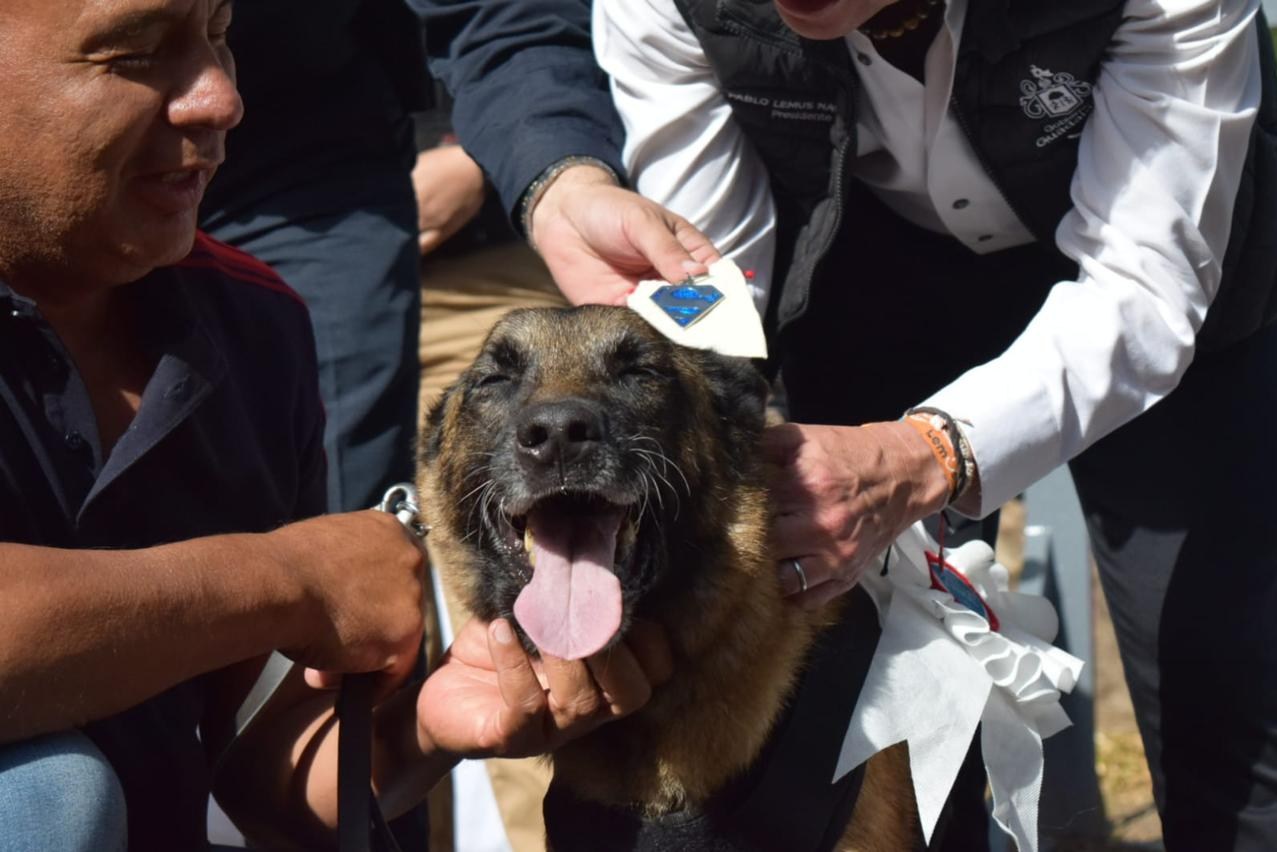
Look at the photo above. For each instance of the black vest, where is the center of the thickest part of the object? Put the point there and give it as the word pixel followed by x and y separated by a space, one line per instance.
pixel 1021 93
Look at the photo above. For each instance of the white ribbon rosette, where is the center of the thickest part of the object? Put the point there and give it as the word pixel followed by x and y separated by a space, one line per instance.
pixel 957 650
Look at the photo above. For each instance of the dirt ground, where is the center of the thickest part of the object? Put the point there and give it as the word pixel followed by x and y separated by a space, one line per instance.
pixel 1119 755
pixel 1125 785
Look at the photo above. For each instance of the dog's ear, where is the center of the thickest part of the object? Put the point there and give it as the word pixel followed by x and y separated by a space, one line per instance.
pixel 739 392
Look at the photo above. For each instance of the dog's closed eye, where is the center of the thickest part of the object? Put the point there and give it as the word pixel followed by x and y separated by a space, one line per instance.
pixel 492 380
pixel 637 359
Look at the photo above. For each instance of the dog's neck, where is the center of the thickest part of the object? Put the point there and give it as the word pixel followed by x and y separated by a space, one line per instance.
pixel 737 644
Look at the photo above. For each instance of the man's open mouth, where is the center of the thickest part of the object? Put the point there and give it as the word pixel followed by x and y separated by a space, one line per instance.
pixel 574 544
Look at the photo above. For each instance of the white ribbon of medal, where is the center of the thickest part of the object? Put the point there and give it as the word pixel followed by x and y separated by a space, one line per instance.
pixel 941 669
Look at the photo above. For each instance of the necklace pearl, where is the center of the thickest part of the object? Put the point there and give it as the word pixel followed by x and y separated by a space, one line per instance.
pixel 907 25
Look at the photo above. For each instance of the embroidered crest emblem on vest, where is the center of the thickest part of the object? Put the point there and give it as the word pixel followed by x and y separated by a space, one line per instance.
pixel 1051 94
pixel 1059 96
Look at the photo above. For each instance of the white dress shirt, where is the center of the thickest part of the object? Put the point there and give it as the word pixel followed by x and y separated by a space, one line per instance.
pixel 1159 164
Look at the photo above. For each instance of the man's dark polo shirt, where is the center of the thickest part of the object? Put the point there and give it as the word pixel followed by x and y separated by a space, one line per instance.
pixel 228 439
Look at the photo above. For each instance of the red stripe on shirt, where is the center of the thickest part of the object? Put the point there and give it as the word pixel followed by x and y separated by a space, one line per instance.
pixel 208 253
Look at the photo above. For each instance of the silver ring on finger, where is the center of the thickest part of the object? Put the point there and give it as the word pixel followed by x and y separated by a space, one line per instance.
pixel 802 575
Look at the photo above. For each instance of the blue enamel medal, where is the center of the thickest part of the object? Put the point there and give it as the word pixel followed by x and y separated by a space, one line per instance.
pixel 687 303
pixel 946 578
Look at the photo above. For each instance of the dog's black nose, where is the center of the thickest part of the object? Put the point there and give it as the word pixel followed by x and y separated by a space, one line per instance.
pixel 559 432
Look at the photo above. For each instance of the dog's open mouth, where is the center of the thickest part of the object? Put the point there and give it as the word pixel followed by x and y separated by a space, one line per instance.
pixel 572 606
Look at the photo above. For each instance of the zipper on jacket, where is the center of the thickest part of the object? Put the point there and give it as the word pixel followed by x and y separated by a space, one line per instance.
pixel 838 184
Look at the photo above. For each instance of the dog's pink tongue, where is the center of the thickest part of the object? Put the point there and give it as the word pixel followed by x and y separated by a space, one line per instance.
pixel 572 607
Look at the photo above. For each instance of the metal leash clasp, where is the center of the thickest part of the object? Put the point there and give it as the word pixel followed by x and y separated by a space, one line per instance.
pixel 400 500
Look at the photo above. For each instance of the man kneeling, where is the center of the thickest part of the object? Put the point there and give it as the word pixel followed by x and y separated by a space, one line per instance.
pixel 160 448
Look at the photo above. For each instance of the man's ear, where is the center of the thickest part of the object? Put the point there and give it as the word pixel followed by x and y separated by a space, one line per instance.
pixel 739 392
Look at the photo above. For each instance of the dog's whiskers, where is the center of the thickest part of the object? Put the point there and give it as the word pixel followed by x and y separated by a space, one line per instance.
pixel 488 497
pixel 650 481
pixel 665 460
pixel 476 518
pixel 482 485
pixel 648 485
pixel 659 464
pixel 479 492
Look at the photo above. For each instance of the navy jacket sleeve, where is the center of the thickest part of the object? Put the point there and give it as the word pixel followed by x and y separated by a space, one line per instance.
pixel 527 89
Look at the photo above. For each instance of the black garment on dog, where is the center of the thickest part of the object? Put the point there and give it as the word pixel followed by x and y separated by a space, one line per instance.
pixel 785 801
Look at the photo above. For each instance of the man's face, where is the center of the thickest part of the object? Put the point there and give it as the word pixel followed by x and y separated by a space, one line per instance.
pixel 826 19
pixel 113 115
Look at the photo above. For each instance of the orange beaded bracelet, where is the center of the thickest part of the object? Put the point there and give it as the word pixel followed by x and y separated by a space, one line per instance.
pixel 934 429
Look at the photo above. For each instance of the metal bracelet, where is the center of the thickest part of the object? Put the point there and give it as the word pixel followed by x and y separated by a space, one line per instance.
pixel 537 189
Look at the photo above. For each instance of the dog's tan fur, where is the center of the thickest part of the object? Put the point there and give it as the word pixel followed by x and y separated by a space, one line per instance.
pixel 737 643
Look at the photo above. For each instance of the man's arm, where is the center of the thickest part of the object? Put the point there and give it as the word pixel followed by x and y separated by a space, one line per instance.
pixel 528 92
pixel 88 633
pixel 683 147
pixel 533 108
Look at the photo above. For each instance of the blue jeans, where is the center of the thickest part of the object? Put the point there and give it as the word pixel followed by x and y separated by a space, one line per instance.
pixel 57 792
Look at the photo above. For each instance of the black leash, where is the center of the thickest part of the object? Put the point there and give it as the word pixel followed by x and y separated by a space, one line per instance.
pixel 361 826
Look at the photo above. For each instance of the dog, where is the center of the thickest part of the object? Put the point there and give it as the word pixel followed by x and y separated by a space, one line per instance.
pixel 585 472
